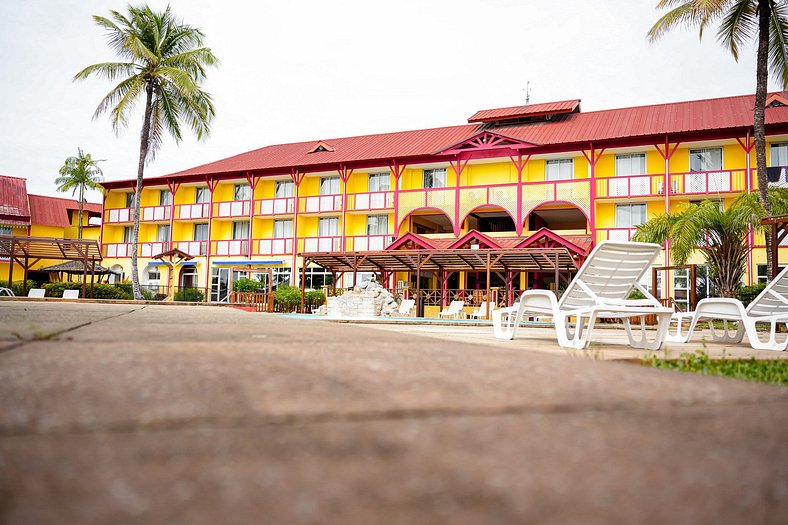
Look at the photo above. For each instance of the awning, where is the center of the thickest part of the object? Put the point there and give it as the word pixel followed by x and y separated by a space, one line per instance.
pixel 253 262
pixel 184 263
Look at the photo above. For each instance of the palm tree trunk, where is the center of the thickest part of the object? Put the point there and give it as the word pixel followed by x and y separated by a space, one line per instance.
pixel 759 126
pixel 79 207
pixel 144 144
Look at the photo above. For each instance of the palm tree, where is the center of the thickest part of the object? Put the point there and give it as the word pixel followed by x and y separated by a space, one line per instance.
pixel 740 21
pixel 721 235
pixel 164 61
pixel 78 174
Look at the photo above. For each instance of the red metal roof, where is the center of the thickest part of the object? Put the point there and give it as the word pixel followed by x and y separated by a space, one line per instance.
pixel 14 205
pixel 531 110
pixel 644 122
pixel 53 211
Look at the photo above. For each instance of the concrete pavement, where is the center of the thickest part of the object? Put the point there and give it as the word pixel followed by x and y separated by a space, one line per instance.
pixel 156 414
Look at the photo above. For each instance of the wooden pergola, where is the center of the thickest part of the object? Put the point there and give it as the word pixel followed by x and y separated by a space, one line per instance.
pixel 779 230
pixel 506 261
pixel 27 251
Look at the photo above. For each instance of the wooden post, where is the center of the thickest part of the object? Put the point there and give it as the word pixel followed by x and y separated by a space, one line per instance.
pixel 775 251
pixel 92 277
pixel 11 265
pixel 419 308
pixel 25 274
pixel 557 275
pixel 303 282
pixel 487 297
pixel 692 283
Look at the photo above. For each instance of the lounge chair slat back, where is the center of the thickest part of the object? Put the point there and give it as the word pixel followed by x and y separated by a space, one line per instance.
pixel 610 272
pixel 773 300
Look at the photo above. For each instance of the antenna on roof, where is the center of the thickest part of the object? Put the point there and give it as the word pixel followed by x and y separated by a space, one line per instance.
pixel 527 92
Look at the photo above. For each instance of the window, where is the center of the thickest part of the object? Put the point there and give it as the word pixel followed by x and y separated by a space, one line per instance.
pixel 560 169
pixel 240 230
pixel 379 182
pixel 630 215
pixel 165 198
pixel 314 278
pixel 154 274
pixel 377 224
pixel 283 229
pixel 284 188
pixel 130 200
pixel 706 159
pixel 163 233
pixel 202 195
pixel 630 164
pixel 329 185
pixel 5 230
pixel 779 154
pixel 435 178
pixel 328 227
pixel 761 275
pixel 201 231
pixel 242 192
pixel 127 230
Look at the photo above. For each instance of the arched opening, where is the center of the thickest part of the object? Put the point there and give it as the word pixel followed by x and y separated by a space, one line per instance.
pixel 117 275
pixel 426 221
pixel 557 216
pixel 151 275
pixel 490 219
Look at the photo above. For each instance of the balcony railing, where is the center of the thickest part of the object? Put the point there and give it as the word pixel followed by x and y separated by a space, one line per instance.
pixel 369 201
pixel 233 247
pixel 363 243
pixel 199 210
pixel 320 204
pixel 278 206
pixel 426 198
pixel 147 214
pixel 231 209
pixel 320 244
pixel 702 182
pixel 272 246
pixel 631 186
pixel 614 234
pixel 194 248
pixel 144 249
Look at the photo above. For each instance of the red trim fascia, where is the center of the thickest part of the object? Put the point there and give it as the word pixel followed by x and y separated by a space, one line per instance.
pixel 479 236
pixel 410 237
pixel 545 232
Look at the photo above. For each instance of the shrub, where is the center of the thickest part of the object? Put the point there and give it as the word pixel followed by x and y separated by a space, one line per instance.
pixel 17 287
pixel 190 295
pixel 245 285
pixel 287 298
pixel 746 294
pixel 313 299
pixel 100 290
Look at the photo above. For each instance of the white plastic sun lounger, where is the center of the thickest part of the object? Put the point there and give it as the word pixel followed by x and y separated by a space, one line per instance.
pixel 481 311
pixel 599 290
pixel 454 310
pixel 70 294
pixel 770 307
pixel 36 293
pixel 407 308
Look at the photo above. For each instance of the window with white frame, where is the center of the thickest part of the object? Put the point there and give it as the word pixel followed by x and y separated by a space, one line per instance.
pixel 630 164
pixel 328 227
pixel 559 169
pixel 778 154
pixel 329 186
pixel 705 159
pixel 434 178
pixel 630 215
pixel 202 195
pixel 163 233
pixel 762 276
pixel 165 198
pixel 379 182
pixel 127 231
pixel 154 273
pixel 377 224
pixel 284 189
pixel 283 229
pixel 241 192
pixel 130 200
pixel 316 277
pixel 240 230
pixel 200 231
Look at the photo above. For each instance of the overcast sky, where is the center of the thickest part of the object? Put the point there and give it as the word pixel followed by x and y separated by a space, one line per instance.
pixel 308 70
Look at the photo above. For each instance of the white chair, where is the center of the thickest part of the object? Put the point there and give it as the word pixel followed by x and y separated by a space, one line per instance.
pixel 36 293
pixel 407 308
pixel 454 311
pixel 770 307
pixel 481 311
pixel 70 294
pixel 7 291
pixel 600 289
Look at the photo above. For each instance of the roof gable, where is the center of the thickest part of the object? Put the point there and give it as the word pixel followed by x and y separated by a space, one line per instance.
pixel 14 202
pixel 410 241
pixel 472 238
pixel 527 111
pixel 486 140
pixel 546 238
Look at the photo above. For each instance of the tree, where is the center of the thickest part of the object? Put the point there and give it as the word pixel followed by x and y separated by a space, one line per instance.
pixel 78 174
pixel 739 22
pixel 721 235
pixel 164 63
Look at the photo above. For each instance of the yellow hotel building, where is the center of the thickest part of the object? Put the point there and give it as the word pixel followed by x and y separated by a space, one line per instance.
pixel 520 177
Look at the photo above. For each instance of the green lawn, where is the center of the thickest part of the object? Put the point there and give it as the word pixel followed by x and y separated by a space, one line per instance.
pixel 772 371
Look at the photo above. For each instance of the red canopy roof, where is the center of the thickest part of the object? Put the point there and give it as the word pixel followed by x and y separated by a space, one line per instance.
pixel 643 122
pixel 53 211
pixel 14 205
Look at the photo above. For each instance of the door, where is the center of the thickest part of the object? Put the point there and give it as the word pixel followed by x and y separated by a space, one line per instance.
pixel 220 285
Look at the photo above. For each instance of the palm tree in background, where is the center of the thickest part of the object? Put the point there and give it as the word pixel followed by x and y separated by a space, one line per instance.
pixel 720 235
pixel 164 61
pixel 80 173
pixel 739 22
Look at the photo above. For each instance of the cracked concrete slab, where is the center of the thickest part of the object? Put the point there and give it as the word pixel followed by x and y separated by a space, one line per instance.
pixel 205 415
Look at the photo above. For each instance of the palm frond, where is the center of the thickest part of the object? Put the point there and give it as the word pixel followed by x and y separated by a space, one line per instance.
pixel 778 43
pixel 738 25
pixel 108 70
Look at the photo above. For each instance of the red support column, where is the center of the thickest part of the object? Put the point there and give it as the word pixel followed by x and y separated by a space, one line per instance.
pixel 173 187
pixel 253 182
pixel 397 170
pixel 458 166
pixel 211 187
pixel 666 154
pixel 748 146
pixel 592 157
pixel 297 177
pixel 519 164
pixel 344 176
